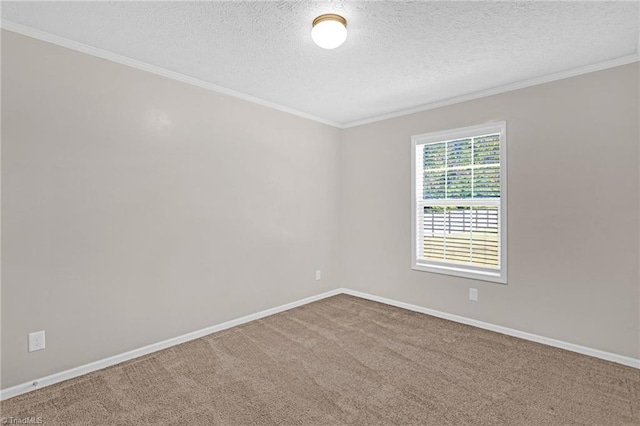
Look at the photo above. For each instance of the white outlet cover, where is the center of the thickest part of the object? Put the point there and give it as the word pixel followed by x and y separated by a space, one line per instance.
pixel 473 294
pixel 36 341
pixel 318 275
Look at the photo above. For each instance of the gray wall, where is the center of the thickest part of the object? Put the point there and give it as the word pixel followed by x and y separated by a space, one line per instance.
pixel 137 208
pixel 573 189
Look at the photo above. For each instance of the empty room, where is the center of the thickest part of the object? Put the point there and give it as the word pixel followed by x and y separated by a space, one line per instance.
pixel 320 213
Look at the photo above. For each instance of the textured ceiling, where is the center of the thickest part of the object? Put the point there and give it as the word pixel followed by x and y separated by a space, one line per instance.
pixel 399 55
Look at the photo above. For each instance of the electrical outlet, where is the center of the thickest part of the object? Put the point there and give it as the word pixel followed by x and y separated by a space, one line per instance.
pixel 36 341
pixel 318 275
pixel 473 294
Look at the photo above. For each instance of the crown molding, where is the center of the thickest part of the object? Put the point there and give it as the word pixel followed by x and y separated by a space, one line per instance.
pixel 502 89
pixel 110 56
pixel 114 57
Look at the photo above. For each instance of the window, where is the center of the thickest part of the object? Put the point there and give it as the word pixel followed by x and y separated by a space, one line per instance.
pixel 459 202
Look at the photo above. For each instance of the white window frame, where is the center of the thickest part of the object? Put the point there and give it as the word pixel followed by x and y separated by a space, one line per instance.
pixel 466 271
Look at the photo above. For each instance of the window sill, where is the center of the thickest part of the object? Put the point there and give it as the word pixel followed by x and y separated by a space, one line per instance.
pixel 496 277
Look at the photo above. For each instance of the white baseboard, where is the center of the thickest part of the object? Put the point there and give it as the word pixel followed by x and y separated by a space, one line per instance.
pixel 620 359
pixel 116 359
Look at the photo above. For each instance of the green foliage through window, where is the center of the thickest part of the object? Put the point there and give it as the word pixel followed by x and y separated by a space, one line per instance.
pixel 462 168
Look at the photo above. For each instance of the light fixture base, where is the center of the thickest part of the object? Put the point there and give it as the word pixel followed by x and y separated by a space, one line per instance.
pixel 329 17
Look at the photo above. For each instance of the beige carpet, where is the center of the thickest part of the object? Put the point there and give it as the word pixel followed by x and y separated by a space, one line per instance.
pixel 346 361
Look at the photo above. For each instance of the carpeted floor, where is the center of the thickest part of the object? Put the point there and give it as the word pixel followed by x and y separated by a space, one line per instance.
pixel 346 361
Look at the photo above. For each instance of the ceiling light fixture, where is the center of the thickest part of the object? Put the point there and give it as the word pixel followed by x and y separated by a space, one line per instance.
pixel 329 31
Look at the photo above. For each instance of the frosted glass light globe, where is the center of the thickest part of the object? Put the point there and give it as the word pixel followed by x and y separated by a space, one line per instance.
pixel 329 31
